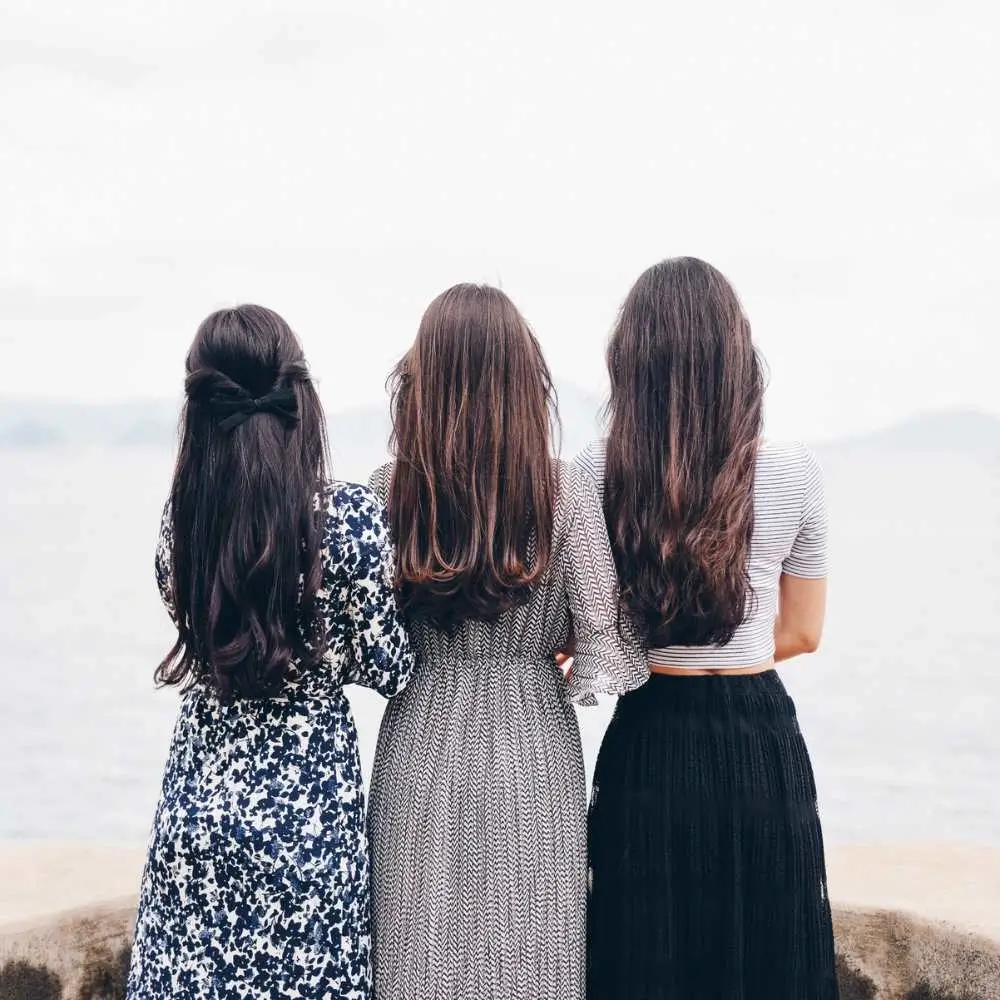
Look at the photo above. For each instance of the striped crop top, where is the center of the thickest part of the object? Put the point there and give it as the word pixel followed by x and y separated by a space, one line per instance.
pixel 789 536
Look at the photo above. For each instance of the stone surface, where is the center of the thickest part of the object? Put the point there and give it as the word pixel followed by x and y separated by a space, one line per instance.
pixel 84 951
pixel 906 958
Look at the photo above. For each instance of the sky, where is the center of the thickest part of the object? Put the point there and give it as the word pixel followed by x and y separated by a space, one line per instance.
pixel 345 163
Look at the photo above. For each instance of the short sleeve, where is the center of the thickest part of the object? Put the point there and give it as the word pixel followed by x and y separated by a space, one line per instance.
pixel 607 656
pixel 381 656
pixel 809 557
pixel 163 563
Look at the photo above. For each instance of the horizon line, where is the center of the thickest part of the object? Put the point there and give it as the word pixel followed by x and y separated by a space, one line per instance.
pixel 834 437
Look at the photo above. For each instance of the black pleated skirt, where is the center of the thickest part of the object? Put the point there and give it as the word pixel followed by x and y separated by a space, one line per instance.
pixel 707 873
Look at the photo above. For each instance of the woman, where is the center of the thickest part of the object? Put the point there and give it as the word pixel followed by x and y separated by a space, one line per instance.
pixel 478 808
pixel 706 855
pixel 280 585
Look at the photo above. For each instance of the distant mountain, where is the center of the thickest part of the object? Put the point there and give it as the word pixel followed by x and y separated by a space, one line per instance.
pixel 30 434
pixel 359 437
pixel 954 431
pixel 154 421
pixel 151 421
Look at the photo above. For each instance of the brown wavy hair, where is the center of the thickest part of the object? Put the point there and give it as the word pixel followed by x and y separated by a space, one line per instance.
pixel 245 559
pixel 472 491
pixel 685 421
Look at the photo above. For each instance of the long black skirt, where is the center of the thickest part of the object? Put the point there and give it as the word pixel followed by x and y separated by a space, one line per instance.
pixel 707 874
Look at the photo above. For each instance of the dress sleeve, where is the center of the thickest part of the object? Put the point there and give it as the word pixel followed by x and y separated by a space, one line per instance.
pixel 163 562
pixel 379 646
pixel 607 655
pixel 590 462
pixel 378 483
pixel 809 555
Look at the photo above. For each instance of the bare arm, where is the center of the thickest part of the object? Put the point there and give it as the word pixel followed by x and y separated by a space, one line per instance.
pixel 801 611
pixel 802 585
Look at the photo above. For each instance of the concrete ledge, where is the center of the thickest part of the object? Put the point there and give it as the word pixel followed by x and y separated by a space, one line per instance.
pixel 41 877
pixel 911 923
pixel 882 955
pixel 956 884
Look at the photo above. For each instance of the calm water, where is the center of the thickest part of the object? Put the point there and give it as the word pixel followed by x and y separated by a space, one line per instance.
pixel 901 708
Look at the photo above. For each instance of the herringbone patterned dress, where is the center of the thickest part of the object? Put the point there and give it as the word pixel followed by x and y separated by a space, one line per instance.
pixel 477 819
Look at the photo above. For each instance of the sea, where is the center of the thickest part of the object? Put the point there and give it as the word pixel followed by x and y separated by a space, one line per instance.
pixel 900 707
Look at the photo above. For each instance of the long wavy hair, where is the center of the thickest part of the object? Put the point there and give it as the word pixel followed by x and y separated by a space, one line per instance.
pixel 472 492
pixel 685 421
pixel 245 559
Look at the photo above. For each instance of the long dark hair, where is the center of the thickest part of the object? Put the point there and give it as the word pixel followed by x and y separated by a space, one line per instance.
pixel 472 492
pixel 685 420
pixel 246 535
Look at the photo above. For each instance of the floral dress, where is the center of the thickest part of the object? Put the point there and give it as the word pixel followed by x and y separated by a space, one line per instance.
pixel 256 883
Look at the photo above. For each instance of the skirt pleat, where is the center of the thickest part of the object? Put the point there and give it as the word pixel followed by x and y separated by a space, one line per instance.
pixel 707 872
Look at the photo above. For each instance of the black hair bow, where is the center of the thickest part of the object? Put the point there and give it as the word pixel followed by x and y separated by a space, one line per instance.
pixel 237 408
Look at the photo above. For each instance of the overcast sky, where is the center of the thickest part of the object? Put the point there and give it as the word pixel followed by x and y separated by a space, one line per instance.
pixel 345 164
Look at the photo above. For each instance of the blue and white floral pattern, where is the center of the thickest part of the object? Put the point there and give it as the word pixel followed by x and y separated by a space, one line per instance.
pixel 256 883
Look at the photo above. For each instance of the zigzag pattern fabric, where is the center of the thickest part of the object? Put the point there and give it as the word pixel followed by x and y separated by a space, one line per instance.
pixel 477 818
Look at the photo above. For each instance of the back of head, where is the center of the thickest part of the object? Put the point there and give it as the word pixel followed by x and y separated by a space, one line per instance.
pixel 471 498
pixel 685 419
pixel 246 538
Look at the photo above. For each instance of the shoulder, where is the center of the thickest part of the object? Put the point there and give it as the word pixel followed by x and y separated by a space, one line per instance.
pixel 577 492
pixel 789 479
pixel 791 462
pixel 590 462
pixel 352 511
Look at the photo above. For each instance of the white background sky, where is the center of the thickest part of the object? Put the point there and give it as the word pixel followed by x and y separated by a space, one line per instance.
pixel 343 164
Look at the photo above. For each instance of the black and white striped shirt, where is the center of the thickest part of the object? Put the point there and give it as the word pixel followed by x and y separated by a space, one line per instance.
pixel 789 536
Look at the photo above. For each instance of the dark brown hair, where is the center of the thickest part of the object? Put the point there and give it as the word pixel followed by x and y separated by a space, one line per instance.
pixel 471 497
pixel 685 419
pixel 246 534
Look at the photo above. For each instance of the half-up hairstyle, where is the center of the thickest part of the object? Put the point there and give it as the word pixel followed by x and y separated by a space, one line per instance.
pixel 245 555
pixel 472 492
pixel 685 420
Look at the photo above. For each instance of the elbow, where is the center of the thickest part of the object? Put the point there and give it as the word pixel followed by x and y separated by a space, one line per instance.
pixel 809 640
pixel 796 642
pixel 400 677
pixel 810 643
